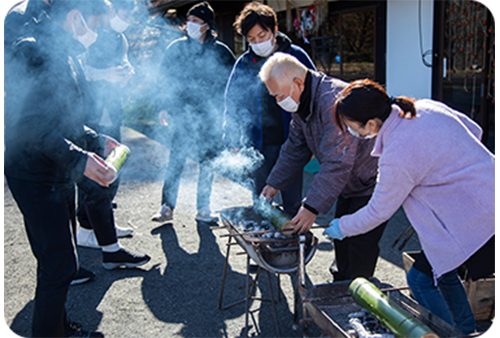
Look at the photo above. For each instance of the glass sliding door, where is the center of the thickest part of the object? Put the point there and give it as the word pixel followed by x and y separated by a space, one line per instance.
pixel 464 66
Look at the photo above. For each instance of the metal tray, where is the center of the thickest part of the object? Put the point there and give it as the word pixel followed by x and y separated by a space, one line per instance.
pixel 331 314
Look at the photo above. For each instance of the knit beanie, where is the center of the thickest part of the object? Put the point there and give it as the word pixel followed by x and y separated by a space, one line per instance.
pixel 204 11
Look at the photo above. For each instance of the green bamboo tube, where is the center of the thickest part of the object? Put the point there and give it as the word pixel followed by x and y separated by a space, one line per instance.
pixel 278 219
pixel 117 158
pixel 390 314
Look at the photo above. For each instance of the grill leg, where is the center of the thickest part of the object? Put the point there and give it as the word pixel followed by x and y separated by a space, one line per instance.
pixel 247 296
pixel 279 288
pixel 224 276
pixel 273 303
pixel 296 304
pixel 254 282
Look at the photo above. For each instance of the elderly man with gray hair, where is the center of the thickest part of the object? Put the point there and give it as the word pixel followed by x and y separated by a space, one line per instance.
pixel 347 171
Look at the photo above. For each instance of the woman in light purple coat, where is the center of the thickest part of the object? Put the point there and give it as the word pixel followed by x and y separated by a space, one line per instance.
pixel 432 162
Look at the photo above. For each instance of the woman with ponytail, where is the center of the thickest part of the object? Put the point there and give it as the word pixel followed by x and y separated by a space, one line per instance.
pixel 432 162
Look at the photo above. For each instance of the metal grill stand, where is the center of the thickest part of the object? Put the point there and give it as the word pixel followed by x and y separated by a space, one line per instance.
pixel 265 257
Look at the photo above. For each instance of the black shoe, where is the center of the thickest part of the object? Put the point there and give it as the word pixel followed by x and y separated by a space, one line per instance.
pixel 74 330
pixel 82 276
pixel 123 257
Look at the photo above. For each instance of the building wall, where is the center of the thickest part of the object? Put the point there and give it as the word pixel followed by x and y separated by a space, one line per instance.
pixel 406 73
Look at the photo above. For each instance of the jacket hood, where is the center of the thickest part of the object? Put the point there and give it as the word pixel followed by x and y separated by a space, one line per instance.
pixel 283 41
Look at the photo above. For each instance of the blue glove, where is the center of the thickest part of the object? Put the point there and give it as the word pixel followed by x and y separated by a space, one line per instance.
pixel 334 230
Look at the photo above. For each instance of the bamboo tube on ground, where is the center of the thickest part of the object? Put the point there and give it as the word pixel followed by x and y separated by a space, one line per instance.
pixel 400 322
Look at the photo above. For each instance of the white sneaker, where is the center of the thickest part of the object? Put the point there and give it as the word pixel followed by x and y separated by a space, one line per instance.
pixel 86 238
pixel 204 215
pixel 165 214
pixel 123 232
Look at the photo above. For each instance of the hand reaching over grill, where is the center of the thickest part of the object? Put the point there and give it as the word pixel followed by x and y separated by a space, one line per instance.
pixel 269 192
pixel 304 220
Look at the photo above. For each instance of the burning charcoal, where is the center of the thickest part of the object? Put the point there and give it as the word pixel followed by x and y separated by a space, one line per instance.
pixel 278 235
pixel 358 327
pixel 268 235
pixel 351 333
pixel 265 225
pixel 359 314
pixel 362 332
pixel 248 225
pixel 370 326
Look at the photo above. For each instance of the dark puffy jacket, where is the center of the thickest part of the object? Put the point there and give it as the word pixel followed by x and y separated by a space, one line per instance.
pixel 46 105
pixel 347 167
pixel 246 97
pixel 191 83
pixel 109 50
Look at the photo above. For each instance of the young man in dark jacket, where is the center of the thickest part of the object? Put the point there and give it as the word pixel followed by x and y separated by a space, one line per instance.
pixel 192 78
pixel 47 149
pixel 252 118
pixel 347 173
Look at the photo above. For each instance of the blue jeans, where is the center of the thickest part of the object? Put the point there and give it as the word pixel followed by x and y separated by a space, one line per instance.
pixel 448 299
pixel 173 177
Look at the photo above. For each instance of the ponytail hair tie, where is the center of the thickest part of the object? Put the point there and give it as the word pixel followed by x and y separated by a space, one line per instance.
pixel 392 100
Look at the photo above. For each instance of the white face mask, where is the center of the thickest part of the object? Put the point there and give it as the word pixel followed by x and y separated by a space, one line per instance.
pixel 194 30
pixel 118 24
pixel 86 39
pixel 289 104
pixel 265 48
pixel 356 133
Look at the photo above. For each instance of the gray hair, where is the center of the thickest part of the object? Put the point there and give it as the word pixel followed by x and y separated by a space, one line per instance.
pixel 282 68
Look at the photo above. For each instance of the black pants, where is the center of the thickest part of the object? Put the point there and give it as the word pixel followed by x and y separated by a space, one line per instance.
pixel 355 256
pixel 49 213
pixel 95 210
pixel 292 197
pixel 95 203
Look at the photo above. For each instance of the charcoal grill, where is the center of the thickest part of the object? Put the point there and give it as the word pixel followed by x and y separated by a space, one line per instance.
pixel 276 255
pixel 329 306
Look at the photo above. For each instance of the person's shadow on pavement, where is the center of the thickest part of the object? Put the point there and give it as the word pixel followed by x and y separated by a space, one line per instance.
pixel 188 290
pixel 82 300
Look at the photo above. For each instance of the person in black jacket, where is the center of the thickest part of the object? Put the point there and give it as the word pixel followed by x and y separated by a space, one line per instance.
pixel 47 149
pixel 18 23
pixel 108 70
pixel 193 76
pixel 251 117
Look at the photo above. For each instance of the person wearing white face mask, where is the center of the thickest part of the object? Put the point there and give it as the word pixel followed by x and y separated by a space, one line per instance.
pixel 252 117
pixel 48 148
pixel 434 165
pixel 191 83
pixel 347 172
pixel 108 70
pixel 86 39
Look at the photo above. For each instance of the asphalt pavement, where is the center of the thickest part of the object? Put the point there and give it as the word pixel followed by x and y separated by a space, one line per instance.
pixel 177 293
